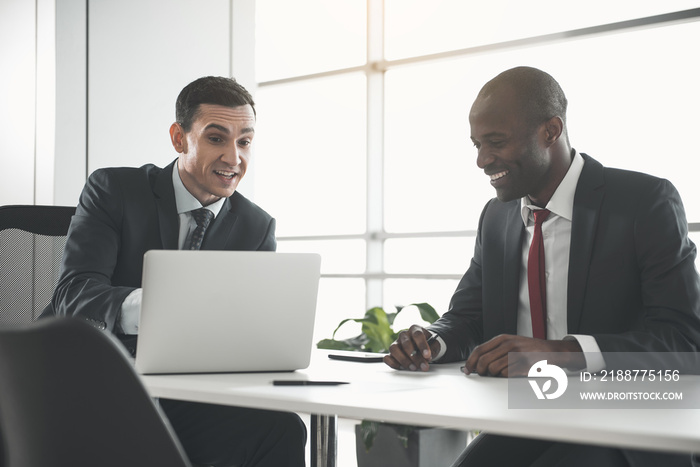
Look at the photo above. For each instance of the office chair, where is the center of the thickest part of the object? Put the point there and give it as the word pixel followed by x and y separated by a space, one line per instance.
pixel 69 396
pixel 32 239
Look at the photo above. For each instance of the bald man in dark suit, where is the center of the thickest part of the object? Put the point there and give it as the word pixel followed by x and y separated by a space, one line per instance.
pixel 619 268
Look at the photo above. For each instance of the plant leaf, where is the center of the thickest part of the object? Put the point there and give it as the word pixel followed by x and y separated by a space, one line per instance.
pixel 403 432
pixel 333 344
pixel 369 432
pixel 427 312
pixel 354 343
pixel 357 320
pixel 377 328
pixel 392 316
pixel 377 332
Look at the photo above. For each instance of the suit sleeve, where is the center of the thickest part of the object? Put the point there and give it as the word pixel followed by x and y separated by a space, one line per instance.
pixel 669 319
pixel 461 327
pixel 85 287
pixel 269 241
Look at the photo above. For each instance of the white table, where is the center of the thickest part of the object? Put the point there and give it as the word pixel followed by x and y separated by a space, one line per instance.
pixel 442 397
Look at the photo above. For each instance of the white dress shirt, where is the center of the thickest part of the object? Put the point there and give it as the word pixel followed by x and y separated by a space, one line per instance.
pixel 128 322
pixel 556 234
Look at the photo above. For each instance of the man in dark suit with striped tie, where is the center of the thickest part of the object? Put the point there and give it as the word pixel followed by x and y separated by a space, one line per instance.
pixel 191 203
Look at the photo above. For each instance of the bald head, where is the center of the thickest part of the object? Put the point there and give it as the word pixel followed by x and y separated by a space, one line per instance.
pixel 539 96
pixel 518 128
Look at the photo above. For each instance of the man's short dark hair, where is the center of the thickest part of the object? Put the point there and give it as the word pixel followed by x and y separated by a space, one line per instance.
pixel 540 94
pixel 209 90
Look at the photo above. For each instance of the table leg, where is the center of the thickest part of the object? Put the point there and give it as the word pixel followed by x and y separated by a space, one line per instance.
pixel 324 440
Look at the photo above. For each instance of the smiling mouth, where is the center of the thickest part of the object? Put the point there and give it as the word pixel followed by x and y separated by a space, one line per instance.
pixel 498 175
pixel 228 175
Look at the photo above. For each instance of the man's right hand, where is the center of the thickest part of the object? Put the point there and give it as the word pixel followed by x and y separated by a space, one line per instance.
pixel 411 350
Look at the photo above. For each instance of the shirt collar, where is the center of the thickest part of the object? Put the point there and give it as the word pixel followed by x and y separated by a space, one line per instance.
pixel 562 201
pixel 184 200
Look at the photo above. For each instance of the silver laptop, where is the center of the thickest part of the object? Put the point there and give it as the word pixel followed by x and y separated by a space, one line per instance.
pixel 226 311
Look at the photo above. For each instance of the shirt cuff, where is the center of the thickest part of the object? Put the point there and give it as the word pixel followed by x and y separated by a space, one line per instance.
pixel 443 348
pixel 130 313
pixel 591 352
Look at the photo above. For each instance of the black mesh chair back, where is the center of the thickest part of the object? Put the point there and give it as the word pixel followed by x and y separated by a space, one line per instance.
pixel 69 396
pixel 32 239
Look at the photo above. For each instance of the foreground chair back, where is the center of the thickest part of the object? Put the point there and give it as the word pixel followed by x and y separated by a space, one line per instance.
pixel 32 239
pixel 69 396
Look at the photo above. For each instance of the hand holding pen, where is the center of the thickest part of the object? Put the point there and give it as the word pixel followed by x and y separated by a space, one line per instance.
pixel 413 349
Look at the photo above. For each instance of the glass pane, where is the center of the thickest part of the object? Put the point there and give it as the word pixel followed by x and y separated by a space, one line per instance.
pixel 417 27
pixel 403 292
pixel 428 255
pixel 635 107
pixel 310 159
pixel 337 256
pixel 308 36
pixel 431 179
pixel 618 113
pixel 339 299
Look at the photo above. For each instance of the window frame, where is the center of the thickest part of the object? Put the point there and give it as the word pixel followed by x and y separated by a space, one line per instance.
pixel 374 70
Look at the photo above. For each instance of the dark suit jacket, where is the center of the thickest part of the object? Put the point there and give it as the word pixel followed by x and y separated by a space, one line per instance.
pixel 124 212
pixel 632 279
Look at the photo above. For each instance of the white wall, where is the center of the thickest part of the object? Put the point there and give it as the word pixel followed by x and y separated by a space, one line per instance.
pixel 70 158
pixel 45 101
pixel 141 54
pixel 17 101
pixel 92 83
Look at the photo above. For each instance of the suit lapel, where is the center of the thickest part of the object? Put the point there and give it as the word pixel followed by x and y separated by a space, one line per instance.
pixel 167 210
pixel 514 231
pixel 218 235
pixel 587 200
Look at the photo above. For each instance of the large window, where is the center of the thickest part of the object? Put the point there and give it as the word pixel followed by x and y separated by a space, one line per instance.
pixel 363 150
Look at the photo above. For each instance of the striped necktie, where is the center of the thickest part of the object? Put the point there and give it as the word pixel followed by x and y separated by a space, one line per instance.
pixel 203 217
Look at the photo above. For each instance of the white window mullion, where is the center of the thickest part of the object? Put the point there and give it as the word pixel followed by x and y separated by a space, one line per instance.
pixel 375 152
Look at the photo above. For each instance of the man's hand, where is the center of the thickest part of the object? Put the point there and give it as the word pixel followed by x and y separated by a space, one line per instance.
pixel 411 350
pixel 491 358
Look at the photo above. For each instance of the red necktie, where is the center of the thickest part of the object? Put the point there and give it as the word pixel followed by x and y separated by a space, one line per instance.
pixel 536 281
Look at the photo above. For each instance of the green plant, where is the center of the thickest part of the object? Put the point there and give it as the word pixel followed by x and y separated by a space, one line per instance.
pixel 377 330
pixel 376 336
pixel 369 429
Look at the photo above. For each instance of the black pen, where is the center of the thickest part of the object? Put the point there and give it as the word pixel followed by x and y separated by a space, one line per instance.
pixel 297 382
